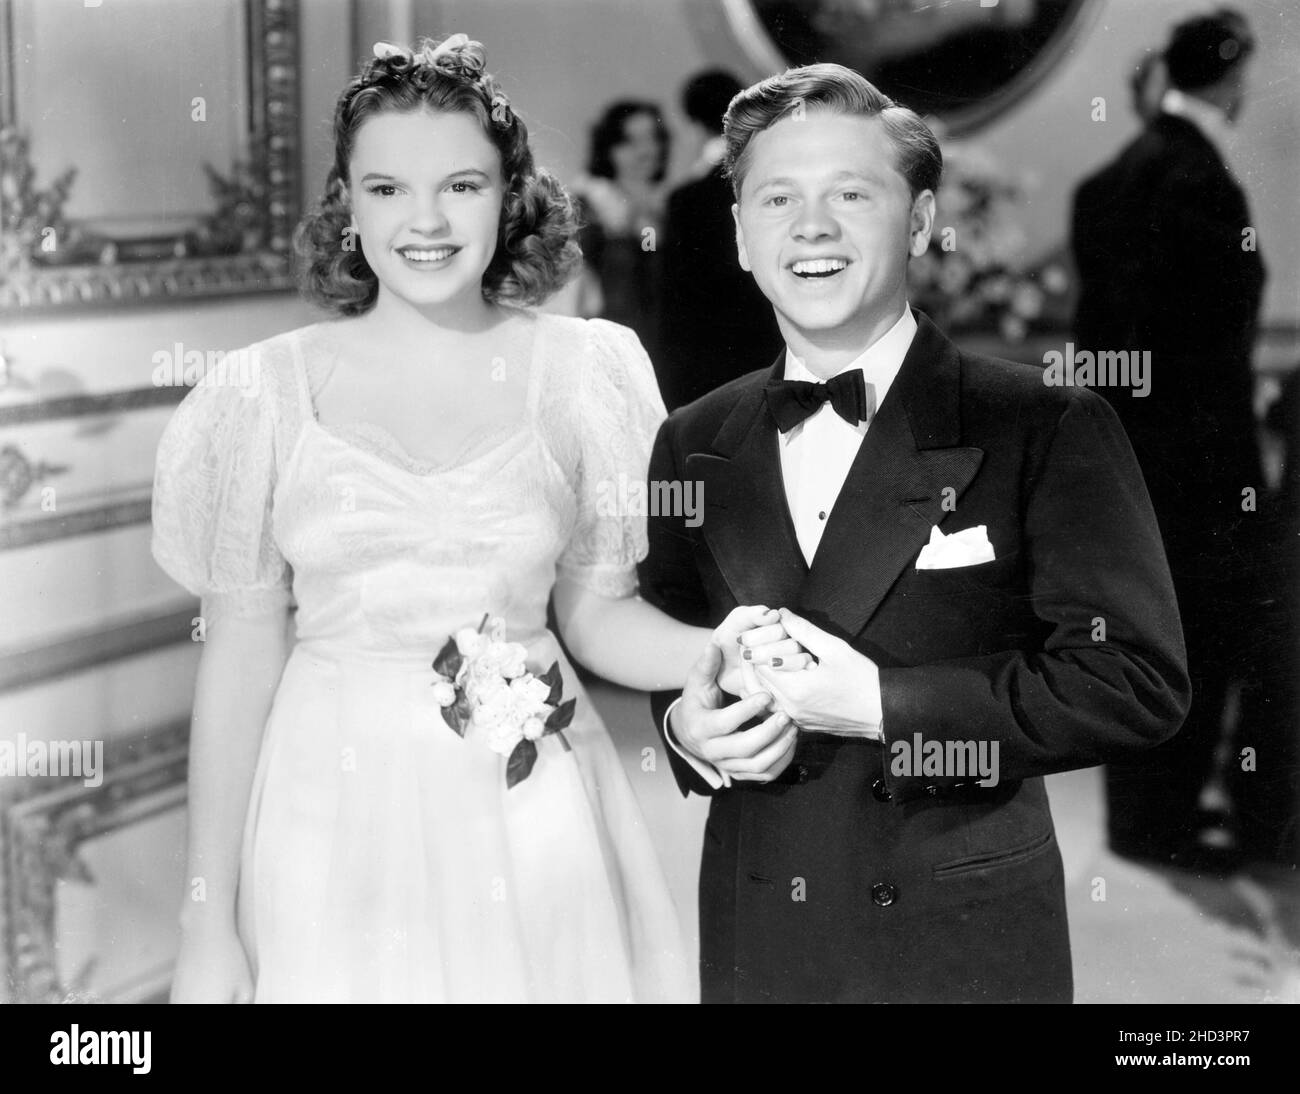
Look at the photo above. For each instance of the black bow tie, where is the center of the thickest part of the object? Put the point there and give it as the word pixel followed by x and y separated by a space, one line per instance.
pixel 791 401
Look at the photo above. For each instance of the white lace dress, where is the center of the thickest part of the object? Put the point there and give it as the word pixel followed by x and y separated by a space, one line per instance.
pixel 384 858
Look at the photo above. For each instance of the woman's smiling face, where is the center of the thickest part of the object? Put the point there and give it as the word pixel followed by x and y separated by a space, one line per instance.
pixel 426 192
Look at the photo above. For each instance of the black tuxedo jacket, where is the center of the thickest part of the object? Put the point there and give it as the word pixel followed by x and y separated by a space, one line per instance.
pixel 1165 266
pixel 716 322
pixel 846 881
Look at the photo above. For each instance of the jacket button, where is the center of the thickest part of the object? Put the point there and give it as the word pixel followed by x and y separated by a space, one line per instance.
pixel 802 774
pixel 883 895
pixel 933 791
pixel 880 791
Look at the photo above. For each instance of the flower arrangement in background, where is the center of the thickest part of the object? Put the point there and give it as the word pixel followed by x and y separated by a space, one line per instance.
pixel 242 218
pixel 974 274
pixel 483 681
pixel 35 231
pixel 33 227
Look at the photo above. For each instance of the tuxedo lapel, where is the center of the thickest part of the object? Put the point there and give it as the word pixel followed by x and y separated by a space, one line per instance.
pixel 895 489
pixel 747 522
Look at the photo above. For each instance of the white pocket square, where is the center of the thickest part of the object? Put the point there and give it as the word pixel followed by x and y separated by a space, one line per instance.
pixel 969 547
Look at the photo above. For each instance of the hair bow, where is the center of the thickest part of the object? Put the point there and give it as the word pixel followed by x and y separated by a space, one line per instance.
pixel 459 55
pixel 386 50
pixel 453 44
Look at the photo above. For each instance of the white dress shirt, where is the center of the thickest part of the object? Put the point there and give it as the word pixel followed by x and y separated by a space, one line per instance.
pixel 817 453
pixel 815 459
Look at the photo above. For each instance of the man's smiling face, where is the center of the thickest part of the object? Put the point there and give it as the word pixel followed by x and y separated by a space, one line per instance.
pixel 825 222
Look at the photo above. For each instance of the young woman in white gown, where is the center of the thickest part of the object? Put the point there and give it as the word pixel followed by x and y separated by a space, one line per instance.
pixel 435 452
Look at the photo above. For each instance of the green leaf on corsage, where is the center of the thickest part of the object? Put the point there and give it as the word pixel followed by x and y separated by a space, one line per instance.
pixel 520 764
pixel 552 676
pixel 458 714
pixel 447 663
pixel 561 716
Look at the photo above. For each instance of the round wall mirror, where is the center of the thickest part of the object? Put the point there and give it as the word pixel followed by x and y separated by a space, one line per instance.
pixel 961 62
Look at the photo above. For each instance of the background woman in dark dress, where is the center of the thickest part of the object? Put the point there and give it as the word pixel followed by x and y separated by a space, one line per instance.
pixel 622 200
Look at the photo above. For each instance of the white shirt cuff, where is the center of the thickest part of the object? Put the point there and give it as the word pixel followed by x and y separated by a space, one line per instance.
pixel 718 780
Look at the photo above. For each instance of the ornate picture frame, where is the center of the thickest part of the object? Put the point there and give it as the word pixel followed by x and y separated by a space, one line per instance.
pixel 226 255
pixel 45 829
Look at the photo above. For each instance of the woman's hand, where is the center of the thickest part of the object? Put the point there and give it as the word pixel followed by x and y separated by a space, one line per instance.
pixel 212 967
pixel 747 627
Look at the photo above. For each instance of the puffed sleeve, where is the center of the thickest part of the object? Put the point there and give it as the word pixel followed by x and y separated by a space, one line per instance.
pixel 213 481
pixel 618 412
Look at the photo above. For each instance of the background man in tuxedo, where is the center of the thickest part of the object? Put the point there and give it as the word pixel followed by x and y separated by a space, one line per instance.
pixel 1048 632
pixel 1167 261
pixel 716 322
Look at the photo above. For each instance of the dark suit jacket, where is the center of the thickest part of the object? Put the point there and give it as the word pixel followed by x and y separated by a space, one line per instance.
pixel 923 888
pixel 1158 238
pixel 716 322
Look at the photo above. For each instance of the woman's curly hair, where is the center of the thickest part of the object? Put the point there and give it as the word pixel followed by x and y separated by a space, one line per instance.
pixel 536 251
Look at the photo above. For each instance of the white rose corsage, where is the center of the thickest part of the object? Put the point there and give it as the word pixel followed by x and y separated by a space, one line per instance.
pixel 483 681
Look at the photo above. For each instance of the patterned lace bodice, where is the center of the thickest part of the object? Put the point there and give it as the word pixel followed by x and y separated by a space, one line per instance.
pixel 255 500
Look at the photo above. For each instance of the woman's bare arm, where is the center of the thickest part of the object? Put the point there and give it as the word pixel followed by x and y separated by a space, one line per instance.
pixel 632 643
pixel 239 670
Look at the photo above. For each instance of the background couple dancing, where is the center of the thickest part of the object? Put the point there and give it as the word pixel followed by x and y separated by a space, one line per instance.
pixel 435 453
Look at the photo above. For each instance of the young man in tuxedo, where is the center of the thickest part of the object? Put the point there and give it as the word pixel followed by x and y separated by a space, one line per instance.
pixel 965 562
